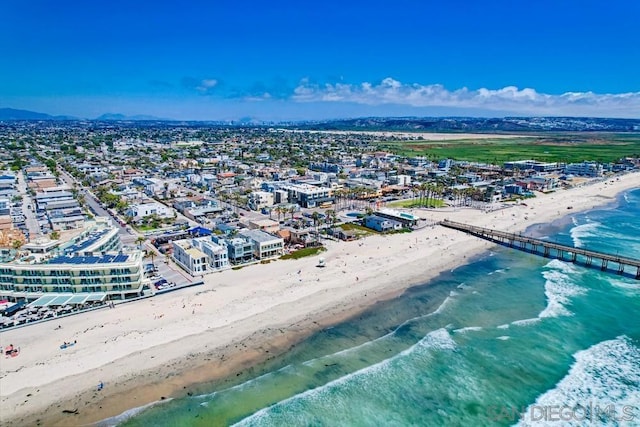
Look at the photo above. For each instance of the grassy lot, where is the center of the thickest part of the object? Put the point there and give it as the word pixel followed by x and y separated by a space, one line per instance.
pixel 413 203
pixel 568 148
pixel 143 228
pixel 358 229
pixel 304 252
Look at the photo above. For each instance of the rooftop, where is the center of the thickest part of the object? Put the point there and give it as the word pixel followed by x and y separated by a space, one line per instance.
pixel 67 299
pixel 102 259
pixel 259 235
pixel 86 242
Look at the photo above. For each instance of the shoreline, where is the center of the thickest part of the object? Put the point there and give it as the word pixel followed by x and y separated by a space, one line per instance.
pixel 251 321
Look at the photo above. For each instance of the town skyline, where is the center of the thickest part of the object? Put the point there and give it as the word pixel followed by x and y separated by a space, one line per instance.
pixel 286 62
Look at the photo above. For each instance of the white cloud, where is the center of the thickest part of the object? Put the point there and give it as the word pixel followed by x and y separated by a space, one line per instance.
pixel 206 85
pixel 519 101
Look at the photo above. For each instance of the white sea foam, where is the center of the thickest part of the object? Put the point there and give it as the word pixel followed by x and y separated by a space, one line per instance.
pixel 602 387
pixel 583 231
pixel 562 266
pixel 559 287
pixel 463 286
pixel 438 310
pixel 506 326
pixel 503 337
pixel 468 329
pixel 130 413
pixel 525 322
pixel 627 285
pixel 435 340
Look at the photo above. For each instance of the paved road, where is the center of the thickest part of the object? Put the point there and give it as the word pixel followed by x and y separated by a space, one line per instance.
pixel 31 221
pixel 127 235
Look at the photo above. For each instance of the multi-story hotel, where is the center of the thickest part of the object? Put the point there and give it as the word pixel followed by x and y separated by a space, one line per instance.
pixel 91 266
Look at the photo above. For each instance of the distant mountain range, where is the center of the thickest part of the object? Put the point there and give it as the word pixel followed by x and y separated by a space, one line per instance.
pixel 402 124
pixel 14 114
pixel 122 117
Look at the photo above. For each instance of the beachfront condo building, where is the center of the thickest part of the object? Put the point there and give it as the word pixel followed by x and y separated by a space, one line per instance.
pixel 90 264
pixel 116 276
pixel 200 255
pixel 264 244
pixel 590 169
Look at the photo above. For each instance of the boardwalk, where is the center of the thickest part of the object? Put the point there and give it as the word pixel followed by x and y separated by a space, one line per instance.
pixel 606 262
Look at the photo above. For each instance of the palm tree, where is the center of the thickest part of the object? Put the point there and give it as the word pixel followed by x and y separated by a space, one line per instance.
pixel 316 219
pixel 424 188
pixel 331 215
pixel 429 189
pixel 339 196
pixel 139 241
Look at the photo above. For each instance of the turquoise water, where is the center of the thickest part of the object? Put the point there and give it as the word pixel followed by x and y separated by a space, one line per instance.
pixel 509 339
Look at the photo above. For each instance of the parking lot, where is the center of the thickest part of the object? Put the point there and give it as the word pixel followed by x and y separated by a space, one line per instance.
pixel 167 269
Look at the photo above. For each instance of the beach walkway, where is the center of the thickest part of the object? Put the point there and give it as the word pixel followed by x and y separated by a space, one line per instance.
pixel 546 249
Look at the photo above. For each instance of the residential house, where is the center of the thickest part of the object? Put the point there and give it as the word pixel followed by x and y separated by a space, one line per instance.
pixel 141 210
pixel 264 244
pixel 381 224
pixel 200 255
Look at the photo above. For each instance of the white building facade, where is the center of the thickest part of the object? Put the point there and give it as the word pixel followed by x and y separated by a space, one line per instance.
pixel 200 256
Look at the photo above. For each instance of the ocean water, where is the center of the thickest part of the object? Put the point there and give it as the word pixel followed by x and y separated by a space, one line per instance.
pixel 509 339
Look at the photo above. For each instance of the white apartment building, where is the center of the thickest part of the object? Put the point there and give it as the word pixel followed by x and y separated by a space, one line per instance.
pixel 141 210
pixel 591 169
pixel 308 196
pixel 260 199
pixel 91 264
pixel 200 255
pixel 264 244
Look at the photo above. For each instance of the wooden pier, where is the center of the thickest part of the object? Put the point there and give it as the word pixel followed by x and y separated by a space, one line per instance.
pixel 586 257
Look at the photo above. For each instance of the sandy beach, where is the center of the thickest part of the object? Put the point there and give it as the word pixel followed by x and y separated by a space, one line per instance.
pixel 159 347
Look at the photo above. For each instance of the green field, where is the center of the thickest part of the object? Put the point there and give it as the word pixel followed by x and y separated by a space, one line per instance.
pixel 567 148
pixel 305 252
pixel 414 203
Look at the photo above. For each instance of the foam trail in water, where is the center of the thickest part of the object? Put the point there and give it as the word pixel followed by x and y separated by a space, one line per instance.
pixel 559 288
pixel 627 285
pixel 438 339
pixel 602 387
pixel 468 329
pixel 118 419
pixel 583 231
pixel 439 310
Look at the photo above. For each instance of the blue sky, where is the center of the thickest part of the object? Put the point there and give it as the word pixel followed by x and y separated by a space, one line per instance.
pixel 289 60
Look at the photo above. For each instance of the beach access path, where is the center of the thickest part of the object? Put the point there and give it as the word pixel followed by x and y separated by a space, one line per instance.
pixel 161 346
